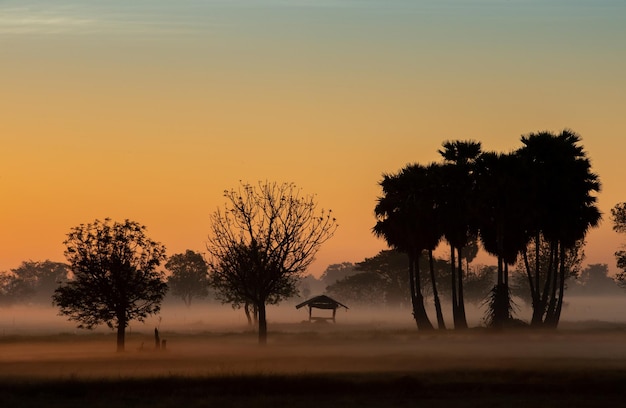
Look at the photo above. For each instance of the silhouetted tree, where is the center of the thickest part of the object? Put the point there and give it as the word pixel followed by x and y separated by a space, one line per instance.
pixel 7 290
pixel 470 252
pixel 364 288
pixel 543 191
pixel 594 280
pixel 35 281
pixel 189 278
pixel 521 285
pixel 501 222
pixel 14 290
pixel 457 200
pixel 309 285
pixel 479 281
pixel 390 265
pixel 114 276
pixel 376 281
pixel 261 243
pixel 399 224
pixel 562 193
pixel 336 272
pixel 385 273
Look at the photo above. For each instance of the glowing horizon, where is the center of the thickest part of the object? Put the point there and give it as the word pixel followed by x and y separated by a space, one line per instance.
pixel 149 110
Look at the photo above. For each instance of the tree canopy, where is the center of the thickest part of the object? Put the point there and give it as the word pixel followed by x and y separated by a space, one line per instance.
pixel 262 241
pixel 189 278
pixel 114 278
pixel 32 281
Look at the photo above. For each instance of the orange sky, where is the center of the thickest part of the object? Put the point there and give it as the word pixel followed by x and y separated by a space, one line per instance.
pixel 150 111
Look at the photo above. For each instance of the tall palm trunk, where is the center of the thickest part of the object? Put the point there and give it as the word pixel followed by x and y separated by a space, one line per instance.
pixel 554 286
pixel 455 312
pixel 541 309
pixel 441 324
pixel 556 304
pixel 412 288
pixel 531 283
pixel 537 263
pixel 419 311
pixel 462 319
pixel 559 306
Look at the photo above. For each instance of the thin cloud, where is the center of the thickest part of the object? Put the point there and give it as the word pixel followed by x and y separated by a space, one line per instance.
pixel 29 21
pixel 75 19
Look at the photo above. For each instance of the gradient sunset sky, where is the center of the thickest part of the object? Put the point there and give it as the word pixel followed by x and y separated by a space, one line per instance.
pixel 149 109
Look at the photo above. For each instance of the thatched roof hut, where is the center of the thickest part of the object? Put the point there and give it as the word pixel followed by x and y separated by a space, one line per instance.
pixel 321 302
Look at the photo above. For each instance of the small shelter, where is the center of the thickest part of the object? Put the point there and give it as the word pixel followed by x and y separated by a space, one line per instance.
pixel 321 302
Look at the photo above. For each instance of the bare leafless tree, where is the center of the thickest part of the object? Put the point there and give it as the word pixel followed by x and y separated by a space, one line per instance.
pixel 262 241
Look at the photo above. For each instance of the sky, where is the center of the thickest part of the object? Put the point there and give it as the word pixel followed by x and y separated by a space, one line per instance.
pixel 150 109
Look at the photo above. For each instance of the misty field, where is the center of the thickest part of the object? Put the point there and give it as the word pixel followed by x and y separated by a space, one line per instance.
pixel 307 364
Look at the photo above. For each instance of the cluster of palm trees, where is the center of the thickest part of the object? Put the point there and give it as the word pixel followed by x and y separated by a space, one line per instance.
pixel 537 202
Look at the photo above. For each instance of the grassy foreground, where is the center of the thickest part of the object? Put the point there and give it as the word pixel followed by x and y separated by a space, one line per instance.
pixel 338 367
pixel 443 389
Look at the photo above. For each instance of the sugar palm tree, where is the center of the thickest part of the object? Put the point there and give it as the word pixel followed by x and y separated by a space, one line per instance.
pixel 397 225
pixel 457 221
pixel 425 192
pixel 564 209
pixel 503 228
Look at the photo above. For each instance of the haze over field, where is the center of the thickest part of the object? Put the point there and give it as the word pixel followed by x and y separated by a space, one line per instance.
pixel 149 110
pixel 581 311
pixel 308 349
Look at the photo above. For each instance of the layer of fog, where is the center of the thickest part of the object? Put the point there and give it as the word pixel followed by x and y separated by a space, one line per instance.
pixel 209 340
pixel 211 317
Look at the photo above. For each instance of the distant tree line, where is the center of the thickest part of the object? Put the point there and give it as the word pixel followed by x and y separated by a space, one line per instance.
pixel 352 282
pixel 32 282
pixel 383 281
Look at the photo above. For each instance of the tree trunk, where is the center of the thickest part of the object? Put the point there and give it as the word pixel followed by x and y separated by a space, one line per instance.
pixel 531 283
pixel 559 305
pixel 246 310
pixel 551 309
pixel 462 319
pixel 262 324
pixel 121 332
pixel 255 314
pixel 412 288
pixel 540 309
pixel 417 300
pixel 423 322
pixel 455 312
pixel 556 315
pixel 539 302
pixel 537 263
pixel 441 324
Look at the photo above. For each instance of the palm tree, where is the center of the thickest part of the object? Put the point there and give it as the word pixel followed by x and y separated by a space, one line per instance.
pixel 398 225
pixel 502 224
pixel 564 209
pixel 457 197
pixel 424 180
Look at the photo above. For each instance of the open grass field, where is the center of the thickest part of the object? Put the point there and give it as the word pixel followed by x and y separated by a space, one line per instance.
pixel 310 365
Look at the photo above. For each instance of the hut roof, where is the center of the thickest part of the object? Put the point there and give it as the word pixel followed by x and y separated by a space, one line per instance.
pixel 321 302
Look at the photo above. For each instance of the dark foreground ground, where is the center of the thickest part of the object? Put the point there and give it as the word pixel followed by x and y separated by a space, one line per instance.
pixel 319 367
pixel 512 388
